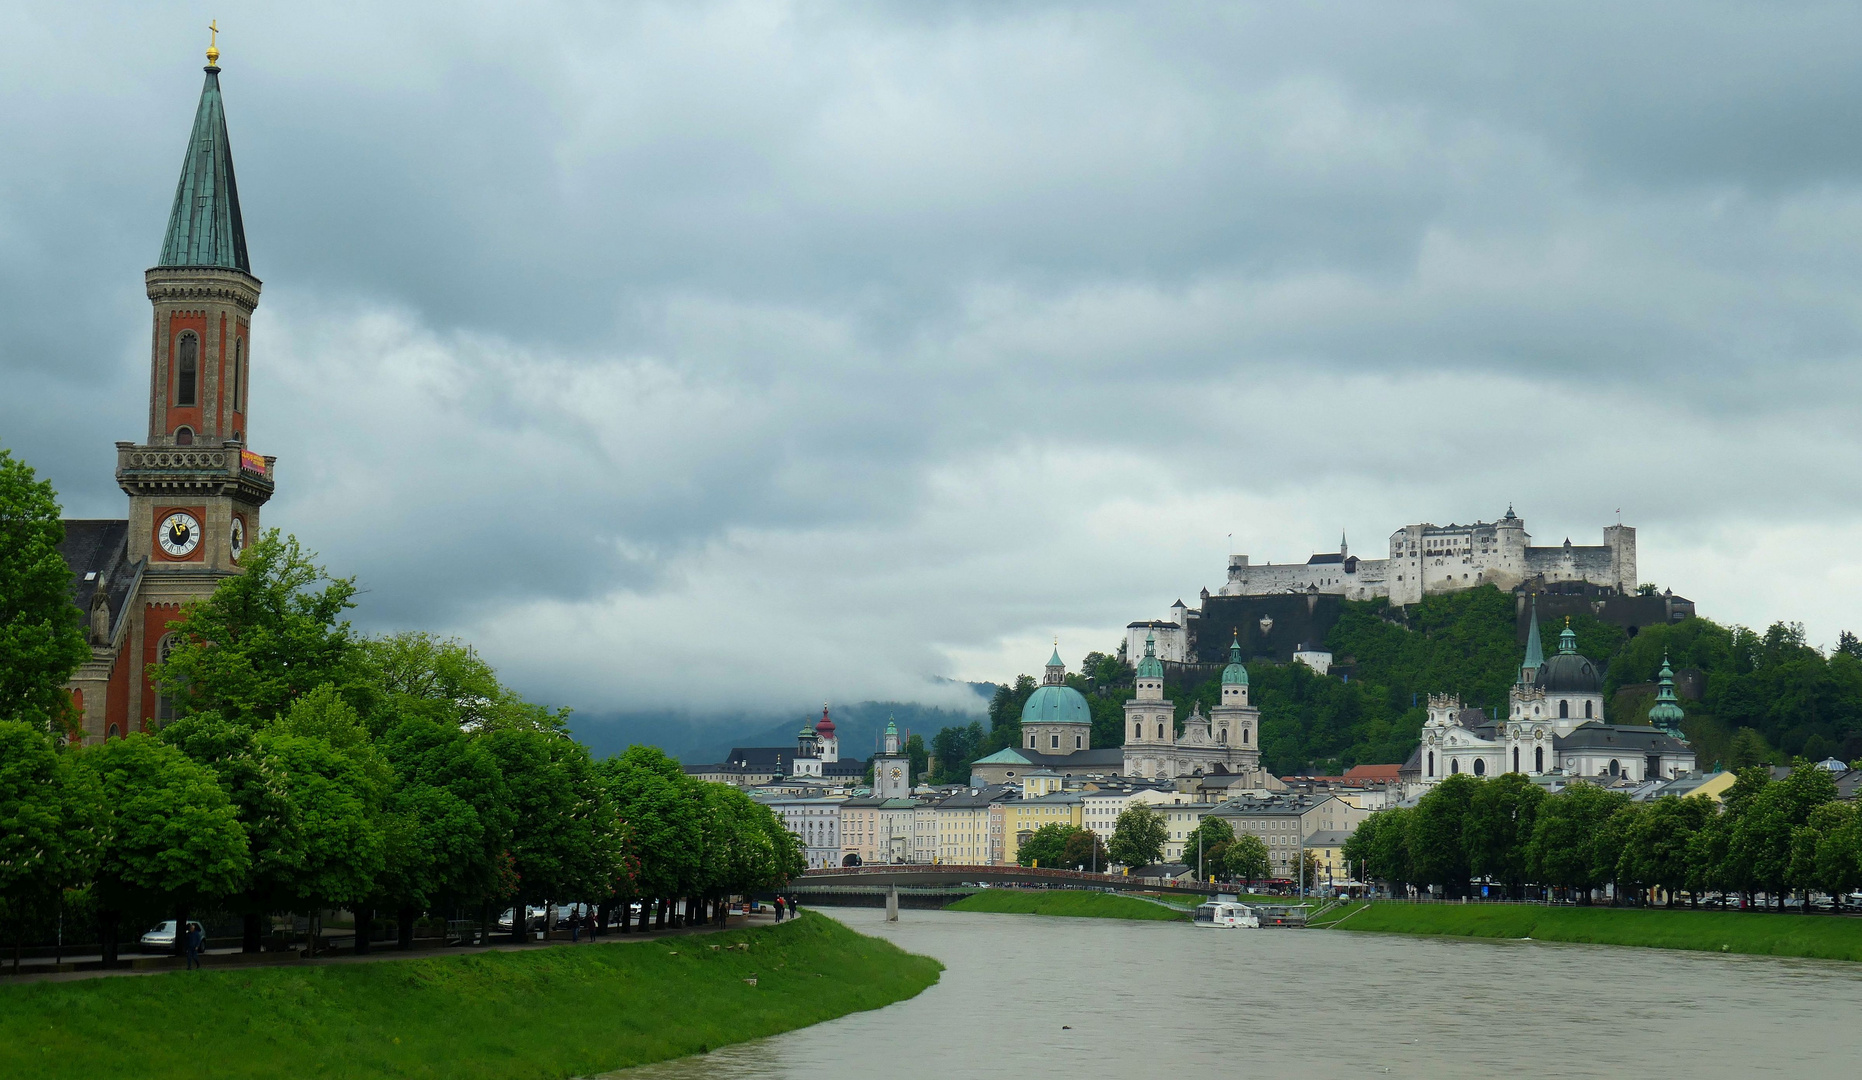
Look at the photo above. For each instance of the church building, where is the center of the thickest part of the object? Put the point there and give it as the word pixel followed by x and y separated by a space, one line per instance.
pixel 1554 724
pixel 194 489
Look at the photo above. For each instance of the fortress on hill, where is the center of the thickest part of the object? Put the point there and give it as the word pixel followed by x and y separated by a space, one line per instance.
pixel 1285 611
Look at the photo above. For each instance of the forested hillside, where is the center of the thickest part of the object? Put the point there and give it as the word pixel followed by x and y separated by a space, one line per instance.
pixel 1768 696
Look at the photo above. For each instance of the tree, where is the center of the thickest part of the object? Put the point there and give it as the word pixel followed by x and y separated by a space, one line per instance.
pixel 1659 850
pixel 168 838
pixel 1563 852
pixel 422 675
pixel 1085 851
pixel 1764 827
pixel 647 789
pixel 1245 859
pixel 1838 832
pixel 1608 845
pixel 564 838
pixel 48 815
pixel 1309 870
pixel 266 637
pixel 1212 833
pixel 1498 830
pixel 41 633
pixel 1748 749
pixel 1437 847
pixel 915 750
pixel 1138 837
pixel 956 748
pixel 1046 846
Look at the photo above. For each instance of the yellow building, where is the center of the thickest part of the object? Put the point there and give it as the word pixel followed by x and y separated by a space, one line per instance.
pixel 971 825
pixel 1024 816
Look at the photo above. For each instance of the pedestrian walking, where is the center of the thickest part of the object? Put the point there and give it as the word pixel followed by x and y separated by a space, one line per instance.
pixel 795 908
pixel 575 927
pixel 778 907
pixel 192 941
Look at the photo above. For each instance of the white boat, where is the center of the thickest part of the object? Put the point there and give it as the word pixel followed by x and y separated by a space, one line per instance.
pixel 1227 915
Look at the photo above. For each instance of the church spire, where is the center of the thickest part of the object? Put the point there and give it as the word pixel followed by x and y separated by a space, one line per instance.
pixel 1535 652
pixel 204 227
pixel 1666 713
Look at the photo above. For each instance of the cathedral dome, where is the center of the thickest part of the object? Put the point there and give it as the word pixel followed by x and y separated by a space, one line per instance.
pixel 1569 673
pixel 1057 705
pixel 1236 673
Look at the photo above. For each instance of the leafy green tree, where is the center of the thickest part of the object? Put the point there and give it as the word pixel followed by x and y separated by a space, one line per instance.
pixel 1085 851
pixel 1608 845
pixel 1309 870
pixel 1213 834
pixel 920 757
pixel 1563 851
pixel 1748 749
pixel 168 838
pixel 266 637
pixel 422 675
pixel 956 748
pixel 1837 830
pixel 48 815
pixel 1498 830
pixel 41 634
pixel 565 833
pixel 1764 827
pixel 1438 848
pixel 1659 850
pixel 1046 846
pixel 1138 837
pixel 647 790
pixel 1245 859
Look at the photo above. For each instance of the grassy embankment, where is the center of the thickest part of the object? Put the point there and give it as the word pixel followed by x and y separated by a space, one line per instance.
pixel 1070 902
pixel 1754 933
pixel 551 1012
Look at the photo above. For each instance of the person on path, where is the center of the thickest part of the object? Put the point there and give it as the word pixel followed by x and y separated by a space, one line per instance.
pixel 192 943
pixel 795 908
pixel 778 907
pixel 575 927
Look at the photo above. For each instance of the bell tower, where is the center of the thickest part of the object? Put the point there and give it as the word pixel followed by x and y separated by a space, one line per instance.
pixel 194 489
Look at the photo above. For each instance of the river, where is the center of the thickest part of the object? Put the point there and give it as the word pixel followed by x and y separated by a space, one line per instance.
pixel 1027 996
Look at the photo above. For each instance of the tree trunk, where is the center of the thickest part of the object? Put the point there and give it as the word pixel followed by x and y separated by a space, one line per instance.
pixel 602 914
pixel 365 924
pixel 404 925
pixel 520 923
pixel 107 923
pixel 251 936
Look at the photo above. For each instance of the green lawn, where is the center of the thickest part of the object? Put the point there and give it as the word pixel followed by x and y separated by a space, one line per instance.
pixel 1755 933
pixel 543 1013
pixel 1090 905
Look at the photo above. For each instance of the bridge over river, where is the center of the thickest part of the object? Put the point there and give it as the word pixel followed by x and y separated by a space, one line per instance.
pixel 935 885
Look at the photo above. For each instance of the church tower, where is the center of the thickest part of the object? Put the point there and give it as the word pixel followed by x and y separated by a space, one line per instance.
pixel 891 768
pixel 1237 723
pixel 1150 720
pixel 194 489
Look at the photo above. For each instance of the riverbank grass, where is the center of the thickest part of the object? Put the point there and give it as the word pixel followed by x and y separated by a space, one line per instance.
pixel 548 1013
pixel 1753 933
pixel 1073 903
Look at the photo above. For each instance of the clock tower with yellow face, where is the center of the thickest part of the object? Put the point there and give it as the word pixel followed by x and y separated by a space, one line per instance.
pixel 892 770
pixel 194 489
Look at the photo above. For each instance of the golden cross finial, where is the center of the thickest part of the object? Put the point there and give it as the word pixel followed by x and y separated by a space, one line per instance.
pixel 213 42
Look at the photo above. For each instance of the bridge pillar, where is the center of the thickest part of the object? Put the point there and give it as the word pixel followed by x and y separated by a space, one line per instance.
pixel 892 904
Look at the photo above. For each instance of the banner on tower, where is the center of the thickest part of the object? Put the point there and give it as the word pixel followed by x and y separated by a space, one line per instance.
pixel 252 462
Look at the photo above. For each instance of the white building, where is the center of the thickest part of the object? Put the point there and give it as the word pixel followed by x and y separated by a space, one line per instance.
pixel 816 820
pixel 1554 724
pixel 1225 741
pixel 1427 559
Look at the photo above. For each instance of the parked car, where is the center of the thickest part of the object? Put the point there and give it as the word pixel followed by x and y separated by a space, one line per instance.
pixel 162 935
pixel 533 917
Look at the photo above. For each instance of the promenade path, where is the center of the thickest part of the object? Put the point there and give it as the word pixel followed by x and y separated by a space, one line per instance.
pixel 232 959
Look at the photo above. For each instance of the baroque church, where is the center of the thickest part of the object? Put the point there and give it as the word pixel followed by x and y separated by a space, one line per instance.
pixel 194 488
pixel 1554 725
pixel 1057 728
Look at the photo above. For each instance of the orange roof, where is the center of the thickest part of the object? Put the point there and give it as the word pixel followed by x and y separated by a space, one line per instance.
pixel 1372 772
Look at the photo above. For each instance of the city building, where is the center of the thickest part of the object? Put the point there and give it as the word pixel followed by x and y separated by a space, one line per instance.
pixel 815 819
pixel 195 490
pixel 1225 741
pixel 1554 724
pixel 1285 823
pixel 814 758
pixel 972 825
pixel 877 831
pixel 1031 812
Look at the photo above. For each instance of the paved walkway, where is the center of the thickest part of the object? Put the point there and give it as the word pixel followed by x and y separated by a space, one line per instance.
pixel 226 959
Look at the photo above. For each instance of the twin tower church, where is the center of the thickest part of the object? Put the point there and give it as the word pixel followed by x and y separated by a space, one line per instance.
pixel 194 489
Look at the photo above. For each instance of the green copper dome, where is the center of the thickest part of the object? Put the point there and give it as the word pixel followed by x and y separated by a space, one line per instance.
pixel 1150 667
pixel 1666 712
pixel 1057 705
pixel 1236 673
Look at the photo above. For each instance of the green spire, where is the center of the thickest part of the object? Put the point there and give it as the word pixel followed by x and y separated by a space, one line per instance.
pixel 1236 673
pixel 1535 653
pixel 1055 660
pixel 204 228
pixel 1666 712
pixel 891 727
pixel 1568 640
pixel 1150 667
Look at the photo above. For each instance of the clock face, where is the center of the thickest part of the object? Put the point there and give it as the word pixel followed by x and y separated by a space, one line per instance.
pixel 895 772
pixel 237 541
pixel 179 534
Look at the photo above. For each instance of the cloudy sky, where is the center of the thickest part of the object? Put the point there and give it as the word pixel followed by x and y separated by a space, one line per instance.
pixel 719 355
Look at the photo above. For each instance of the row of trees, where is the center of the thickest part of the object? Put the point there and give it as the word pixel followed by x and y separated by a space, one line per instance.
pixel 1139 838
pixel 310 767
pixel 1767 836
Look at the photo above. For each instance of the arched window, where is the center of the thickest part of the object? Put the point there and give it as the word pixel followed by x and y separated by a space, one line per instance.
pixel 1221 736
pixel 1454 765
pixel 1615 767
pixel 1587 714
pixel 1516 759
pixel 184 436
pixel 1431 771
pixel 1137 731
pixel 1480 766
pixel 1079 742
pixel 114 733
pixel 164 708
pixel 1564 709
pixel 1160 731
pixel 187 369
pixel 239 359
pixel 1538 759
pixel 1244 736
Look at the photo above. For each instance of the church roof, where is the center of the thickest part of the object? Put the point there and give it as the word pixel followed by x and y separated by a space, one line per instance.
pixel 1055 660
pixel 1535 652
pixel 1569 673
pixel 1056 705
pixel 1150 667
pixel 1628 738
pixel 1236 673
pixel 205 227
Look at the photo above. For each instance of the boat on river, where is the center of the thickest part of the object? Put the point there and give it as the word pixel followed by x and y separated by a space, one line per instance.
pixel 1226 915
